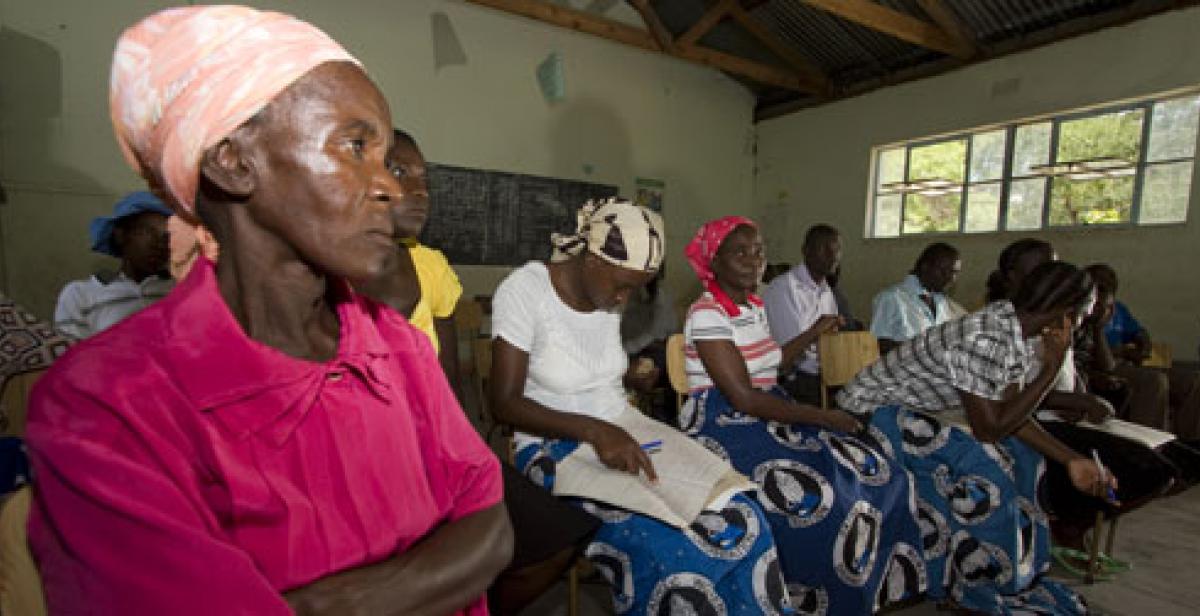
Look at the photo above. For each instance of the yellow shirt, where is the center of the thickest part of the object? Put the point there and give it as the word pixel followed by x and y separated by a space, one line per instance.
pixel 440 289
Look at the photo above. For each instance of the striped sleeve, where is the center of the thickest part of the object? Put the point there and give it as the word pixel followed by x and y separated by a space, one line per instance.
pixel 706 321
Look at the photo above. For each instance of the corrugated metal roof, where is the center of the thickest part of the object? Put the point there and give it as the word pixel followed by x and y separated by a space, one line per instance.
pixel 853 56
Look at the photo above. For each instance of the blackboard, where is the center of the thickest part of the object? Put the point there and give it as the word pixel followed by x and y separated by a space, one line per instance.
pixel 480 217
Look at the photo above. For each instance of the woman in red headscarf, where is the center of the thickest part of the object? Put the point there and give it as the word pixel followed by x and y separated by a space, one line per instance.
pixel 263 440
pixel 840 508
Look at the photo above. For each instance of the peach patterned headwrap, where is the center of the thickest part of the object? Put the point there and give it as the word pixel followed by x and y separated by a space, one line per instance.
pixel 185 78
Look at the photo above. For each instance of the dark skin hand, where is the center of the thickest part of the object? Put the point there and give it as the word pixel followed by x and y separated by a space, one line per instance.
pixel 1077 406
pixel 296 198
pixel 738 266
pixel 585 284
pixel 992 420
pixel 443 571
pixel 614 446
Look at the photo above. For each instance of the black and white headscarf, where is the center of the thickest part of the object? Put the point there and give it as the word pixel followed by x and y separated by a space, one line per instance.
pixel 621 233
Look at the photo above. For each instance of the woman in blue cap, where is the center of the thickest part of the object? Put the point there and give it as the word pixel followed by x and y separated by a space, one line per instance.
pixel 136 233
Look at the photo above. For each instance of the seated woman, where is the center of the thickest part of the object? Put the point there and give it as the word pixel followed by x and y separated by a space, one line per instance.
pixel 1071 414
pixel 420 284
pixel 956 404
pixel 557 371
pixel 840 510
pixel 262 440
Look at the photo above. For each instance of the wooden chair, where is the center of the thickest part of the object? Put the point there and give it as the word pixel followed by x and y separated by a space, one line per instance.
pixel 1160 356
pixel 14 401
pixel 843 355
pixel 675 368
pixel 20 584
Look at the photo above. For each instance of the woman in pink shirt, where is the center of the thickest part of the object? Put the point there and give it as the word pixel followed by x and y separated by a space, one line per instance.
pixel 263 440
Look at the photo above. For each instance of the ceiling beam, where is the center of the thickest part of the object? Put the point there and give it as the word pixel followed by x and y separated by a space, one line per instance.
pixel 802 65
pixel 707 21
pixel 636 37
pixel 894 23
pixel 666 42
pixel 951 24
pixel 1140 9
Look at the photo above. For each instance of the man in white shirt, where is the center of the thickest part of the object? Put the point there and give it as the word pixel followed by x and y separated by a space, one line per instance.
pixel 919 302
pixel 136 233
pixel 800 304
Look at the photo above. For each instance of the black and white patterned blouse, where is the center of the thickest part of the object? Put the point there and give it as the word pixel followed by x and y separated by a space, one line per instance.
pixel 981 353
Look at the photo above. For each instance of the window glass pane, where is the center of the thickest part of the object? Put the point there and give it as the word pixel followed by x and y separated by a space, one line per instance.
pixel 1025 198
pixel 1111 135
pixel 939 161
pixel 932 213
pixel 983 208
pixel 891 166
pixel 1173 129
pixel 987 155
pixel 1165 193
pixel 1031 146
pixel 887 215
pixel 1090 202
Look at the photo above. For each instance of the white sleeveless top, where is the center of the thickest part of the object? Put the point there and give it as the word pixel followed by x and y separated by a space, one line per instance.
pixel 576 361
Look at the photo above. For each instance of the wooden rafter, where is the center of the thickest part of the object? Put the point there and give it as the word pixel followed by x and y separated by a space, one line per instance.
pixel 780 48
pixel 951 24
pixel 894 23
pixel 707 21
pixel 666 42
pixel 636 37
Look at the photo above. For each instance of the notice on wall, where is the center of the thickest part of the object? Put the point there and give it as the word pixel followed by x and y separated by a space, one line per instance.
pixel 650 193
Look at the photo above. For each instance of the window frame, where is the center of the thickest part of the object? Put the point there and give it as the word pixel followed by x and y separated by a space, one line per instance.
pixel 1142 165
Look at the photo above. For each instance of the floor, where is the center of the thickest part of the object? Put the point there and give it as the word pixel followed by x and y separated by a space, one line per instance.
pixel 1161 540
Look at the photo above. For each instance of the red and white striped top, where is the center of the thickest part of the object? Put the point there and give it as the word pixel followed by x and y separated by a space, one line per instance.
pixel 706 320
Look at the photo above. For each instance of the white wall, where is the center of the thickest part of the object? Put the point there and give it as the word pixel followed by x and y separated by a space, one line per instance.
pixel 627 113
pixel 813 166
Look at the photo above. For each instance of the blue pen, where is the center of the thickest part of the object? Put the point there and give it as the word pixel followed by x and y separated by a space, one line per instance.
pixel 652 446
pixel 1112 494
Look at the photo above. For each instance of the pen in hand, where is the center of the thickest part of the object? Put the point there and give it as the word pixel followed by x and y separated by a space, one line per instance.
pixel 652 446
pixel 1112 494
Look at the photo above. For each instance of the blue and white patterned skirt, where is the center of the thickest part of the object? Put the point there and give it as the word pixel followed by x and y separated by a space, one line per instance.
pixel 725 564
pixel 985 539
pixel 840 506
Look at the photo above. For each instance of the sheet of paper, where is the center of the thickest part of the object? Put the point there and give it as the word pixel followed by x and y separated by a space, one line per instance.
pixel 1149 437
pixel 691 478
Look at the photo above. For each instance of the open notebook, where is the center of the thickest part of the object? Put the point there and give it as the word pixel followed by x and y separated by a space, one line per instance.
pixel 1149 437
pixel 690 477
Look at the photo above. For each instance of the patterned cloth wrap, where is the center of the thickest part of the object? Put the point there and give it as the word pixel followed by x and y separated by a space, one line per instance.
pixel 725 564
pixel 617 231
pixel 27 344
pixel 838 504
pixel 985 540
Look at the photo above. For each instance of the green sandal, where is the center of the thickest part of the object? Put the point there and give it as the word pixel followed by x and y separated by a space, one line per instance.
pixel 1075 562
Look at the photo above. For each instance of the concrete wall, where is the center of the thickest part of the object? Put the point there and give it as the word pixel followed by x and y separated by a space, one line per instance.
pixel 813 166
pixel 627 114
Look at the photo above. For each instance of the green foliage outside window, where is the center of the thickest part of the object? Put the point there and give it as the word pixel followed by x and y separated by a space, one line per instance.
pixel 1016 177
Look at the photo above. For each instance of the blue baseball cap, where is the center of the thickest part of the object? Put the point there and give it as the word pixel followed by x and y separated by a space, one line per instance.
pixel 133 204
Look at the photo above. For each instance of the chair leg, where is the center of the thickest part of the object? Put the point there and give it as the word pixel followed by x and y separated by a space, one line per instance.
pixel 1112 537
pixel 573 590
pixel 1094 549
pixel 824 396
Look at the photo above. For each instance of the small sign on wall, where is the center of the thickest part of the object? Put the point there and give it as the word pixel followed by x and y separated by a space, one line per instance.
pixel 650 193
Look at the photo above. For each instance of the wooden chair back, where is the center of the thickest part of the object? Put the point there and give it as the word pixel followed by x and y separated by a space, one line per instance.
pixel 1160 356
pixel 843 355
pixel 20 583
pixel 675 366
